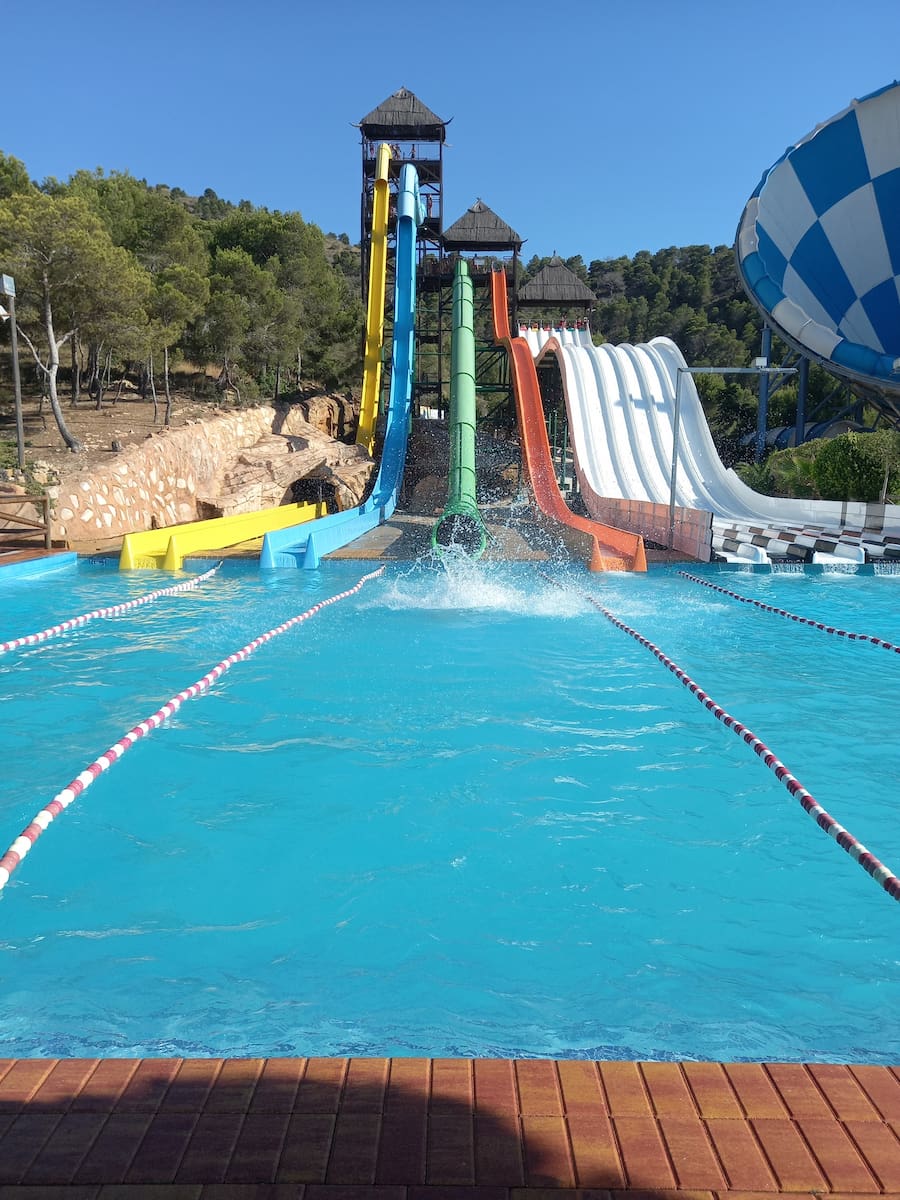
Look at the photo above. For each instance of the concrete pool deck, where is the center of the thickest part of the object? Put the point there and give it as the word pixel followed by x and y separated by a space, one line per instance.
pixel 444 1129
pixel 402 537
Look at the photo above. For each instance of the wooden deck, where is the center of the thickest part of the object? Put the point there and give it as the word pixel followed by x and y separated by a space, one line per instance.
pixel 444 1129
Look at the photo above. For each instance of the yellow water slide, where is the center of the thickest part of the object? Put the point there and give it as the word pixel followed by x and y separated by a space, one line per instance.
pixel 168 548
pixel 371 388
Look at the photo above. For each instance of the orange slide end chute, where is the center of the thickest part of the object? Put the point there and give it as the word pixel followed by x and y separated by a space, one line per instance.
pixel 603 546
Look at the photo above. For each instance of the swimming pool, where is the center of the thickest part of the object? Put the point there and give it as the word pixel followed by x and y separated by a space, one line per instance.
pixel 457 813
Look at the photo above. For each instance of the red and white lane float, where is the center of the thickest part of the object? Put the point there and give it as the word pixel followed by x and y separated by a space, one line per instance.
pixel 39 822
pixel 869 863
pixel 113 610
pixel 781 612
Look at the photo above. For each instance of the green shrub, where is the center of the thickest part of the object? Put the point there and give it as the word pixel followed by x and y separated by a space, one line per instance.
pixel 859 466
pixel 785 472
pixel 793 470
pixel 756 475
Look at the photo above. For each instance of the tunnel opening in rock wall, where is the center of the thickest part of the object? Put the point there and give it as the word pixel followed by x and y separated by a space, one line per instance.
pixel 313 491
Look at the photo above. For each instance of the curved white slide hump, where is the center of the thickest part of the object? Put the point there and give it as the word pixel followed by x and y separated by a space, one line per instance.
pixel 621 406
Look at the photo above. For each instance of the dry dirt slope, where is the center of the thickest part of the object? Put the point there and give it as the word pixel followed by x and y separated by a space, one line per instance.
pixel 103 433
pixel 127 422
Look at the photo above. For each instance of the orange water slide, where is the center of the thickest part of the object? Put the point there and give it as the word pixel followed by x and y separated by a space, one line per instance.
pixel 603 547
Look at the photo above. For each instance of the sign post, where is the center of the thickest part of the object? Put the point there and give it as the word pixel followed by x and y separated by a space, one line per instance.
pixel 8 292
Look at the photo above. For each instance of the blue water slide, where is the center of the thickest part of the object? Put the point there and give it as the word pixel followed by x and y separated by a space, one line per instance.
pixel 818 245
pixel 304 545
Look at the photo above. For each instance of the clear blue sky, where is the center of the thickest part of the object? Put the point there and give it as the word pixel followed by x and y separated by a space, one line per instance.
pixel 600 128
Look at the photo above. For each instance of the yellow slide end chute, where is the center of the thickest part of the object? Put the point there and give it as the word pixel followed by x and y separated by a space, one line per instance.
pixel 371 388
pixel 168 548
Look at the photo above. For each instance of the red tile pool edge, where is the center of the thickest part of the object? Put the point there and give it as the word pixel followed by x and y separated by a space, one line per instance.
pixel 347 1129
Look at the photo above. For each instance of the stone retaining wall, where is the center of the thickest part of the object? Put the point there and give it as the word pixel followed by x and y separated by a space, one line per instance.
pixel 157 484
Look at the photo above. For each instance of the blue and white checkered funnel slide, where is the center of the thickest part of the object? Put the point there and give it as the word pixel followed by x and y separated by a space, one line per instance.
pixel 818 246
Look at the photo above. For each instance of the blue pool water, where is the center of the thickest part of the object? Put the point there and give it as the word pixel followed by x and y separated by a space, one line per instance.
pixel 459 813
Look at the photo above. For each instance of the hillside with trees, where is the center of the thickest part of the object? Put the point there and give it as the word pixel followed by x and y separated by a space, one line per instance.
pixel 119 278
pixel 116 277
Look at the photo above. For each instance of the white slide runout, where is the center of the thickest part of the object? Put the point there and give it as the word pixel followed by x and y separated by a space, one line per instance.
pixel 621 408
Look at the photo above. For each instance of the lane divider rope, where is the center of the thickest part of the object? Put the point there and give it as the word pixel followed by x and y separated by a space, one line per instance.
pixel 857 851
pixel 112 610
pixel 40 821
pixel 782 612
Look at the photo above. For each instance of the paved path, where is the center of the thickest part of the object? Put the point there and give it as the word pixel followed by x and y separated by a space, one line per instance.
pixel 408 536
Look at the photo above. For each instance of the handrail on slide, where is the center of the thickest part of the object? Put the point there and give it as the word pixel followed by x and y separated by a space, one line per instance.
pixel 304 545
pixel 460 527
pixel 604 547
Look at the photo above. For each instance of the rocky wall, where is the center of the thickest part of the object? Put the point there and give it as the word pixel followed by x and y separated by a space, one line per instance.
pixel 158 483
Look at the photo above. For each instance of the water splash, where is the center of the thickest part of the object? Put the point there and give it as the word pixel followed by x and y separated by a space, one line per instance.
pixel 459 583
pixel 837 568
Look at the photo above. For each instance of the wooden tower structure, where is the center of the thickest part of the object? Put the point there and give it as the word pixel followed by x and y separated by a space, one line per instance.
pixel 415 135
pixel 556 292
pixel 484 240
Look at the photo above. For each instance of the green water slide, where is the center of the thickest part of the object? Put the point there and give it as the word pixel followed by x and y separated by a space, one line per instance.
pixel 460 527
